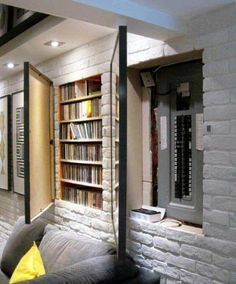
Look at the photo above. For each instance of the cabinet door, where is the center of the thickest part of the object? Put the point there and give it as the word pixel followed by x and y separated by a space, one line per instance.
pixel 38 117
pixel 118 124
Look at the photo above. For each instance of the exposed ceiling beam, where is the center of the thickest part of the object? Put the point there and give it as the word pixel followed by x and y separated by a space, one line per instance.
pixel 133 10
pixel 139 19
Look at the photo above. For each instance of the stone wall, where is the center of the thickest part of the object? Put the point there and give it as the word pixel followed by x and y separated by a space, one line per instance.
pixel 184 255
pixel 85 61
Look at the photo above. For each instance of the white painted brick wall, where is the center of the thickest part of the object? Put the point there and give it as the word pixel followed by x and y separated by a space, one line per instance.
pixel 182 256
pixel 88 60
pixel 211 257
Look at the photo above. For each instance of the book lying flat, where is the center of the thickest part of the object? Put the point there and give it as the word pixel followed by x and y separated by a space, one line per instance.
pixel 146 215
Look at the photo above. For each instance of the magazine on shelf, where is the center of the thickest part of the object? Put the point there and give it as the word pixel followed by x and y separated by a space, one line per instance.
pixel 148 213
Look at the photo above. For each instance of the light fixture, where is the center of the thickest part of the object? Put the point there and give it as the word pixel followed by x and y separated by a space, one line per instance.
pixel 10 65
pixel 54 43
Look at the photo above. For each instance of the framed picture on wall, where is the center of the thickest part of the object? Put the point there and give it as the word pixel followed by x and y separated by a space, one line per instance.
pixel 18 142
pixel 3 19
pixel 4 179
pixel 20 15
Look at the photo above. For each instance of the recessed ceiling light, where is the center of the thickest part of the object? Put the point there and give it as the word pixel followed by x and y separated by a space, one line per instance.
pixel 54 43
pixel 10 65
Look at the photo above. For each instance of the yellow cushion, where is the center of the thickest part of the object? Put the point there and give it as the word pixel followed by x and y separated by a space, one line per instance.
pixel 29 267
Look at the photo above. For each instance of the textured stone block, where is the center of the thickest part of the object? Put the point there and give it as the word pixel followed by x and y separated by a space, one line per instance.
pixel 159 266
pixel 216 216
pixel 216 187
pixel 141 237
pixel 212 271
pixel 153 253
pixel 134 246
pixel 192 278
pixel 181 262
pixel 217 97
pixel 196 253
pixel 217 158
pixel 166 245
pixel 225 203
pixel 216 68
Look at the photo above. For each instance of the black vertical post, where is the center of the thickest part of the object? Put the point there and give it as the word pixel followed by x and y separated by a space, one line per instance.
pixel 26 143
pixel 9 137
pixel 123 141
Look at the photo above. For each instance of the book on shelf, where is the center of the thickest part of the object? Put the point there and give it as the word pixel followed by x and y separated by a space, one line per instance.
pixel 88 174
pixel 81 123
pixel 83 130
pixel 83 197
pixel 148 213
pixel 88 108
pixel 81 89
pixel 82 110
pixel 73 131
pixel 84 152
pixel 94 86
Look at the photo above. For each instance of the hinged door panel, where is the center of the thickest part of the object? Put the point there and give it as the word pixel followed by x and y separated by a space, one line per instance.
pixel 38 113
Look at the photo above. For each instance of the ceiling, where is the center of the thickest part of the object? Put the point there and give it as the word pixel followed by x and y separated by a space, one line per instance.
pixel 88 20
pixel 185 9
pixel 73 32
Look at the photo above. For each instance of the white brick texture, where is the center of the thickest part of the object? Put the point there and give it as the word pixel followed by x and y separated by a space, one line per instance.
pixel 184 257
pixel 210 257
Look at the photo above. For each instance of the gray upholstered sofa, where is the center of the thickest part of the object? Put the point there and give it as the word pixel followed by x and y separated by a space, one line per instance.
pixel 69 258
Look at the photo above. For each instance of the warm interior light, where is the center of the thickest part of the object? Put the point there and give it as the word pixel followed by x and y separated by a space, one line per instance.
pixel 10 65
pixel 54 43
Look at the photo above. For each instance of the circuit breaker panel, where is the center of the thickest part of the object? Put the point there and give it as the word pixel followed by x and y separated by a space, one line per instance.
pixel 180 160
pixel 183 156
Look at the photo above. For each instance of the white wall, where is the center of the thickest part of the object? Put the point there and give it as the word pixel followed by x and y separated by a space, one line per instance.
pixel 85 61
pixel 188 255
pixel 185 255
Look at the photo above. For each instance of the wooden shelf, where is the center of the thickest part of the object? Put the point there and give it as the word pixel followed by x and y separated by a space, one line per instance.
pixel 98 163
pixel 80 140
pixel 98 186
pixel 80 99
pixel 82 119
pixel 79 204
pixel 90 89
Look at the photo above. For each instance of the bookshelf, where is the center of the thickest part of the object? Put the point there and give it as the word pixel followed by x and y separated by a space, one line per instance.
pixel 80 142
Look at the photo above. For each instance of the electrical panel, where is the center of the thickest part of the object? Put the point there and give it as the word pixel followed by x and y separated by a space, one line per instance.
pixel 180 152
pixel 183 156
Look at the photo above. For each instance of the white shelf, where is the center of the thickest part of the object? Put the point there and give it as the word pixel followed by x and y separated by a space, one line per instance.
pixel 82 119
pixel 80 99
pixel 80 140
pixel 93 185
pixel 84 162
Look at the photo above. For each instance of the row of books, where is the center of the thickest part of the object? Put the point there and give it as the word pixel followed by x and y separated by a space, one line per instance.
pixel 81 88
pixel 117 152
pixel 117 129
pixel 85 152
pixel 117 174
pixel 90 174
pixel 117 108
pixel 81 110
pixel 85 130
pixel 83 197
